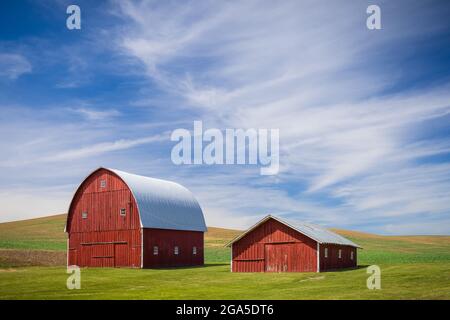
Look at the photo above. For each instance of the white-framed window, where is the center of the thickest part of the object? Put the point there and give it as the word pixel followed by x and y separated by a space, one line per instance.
pixel 155 250
pixel 123 212
pixel 102 183
pixel 340 253
pixel 351 255
pixel 194 250
pixel 326 253
pixel 84 215
pixel 176 250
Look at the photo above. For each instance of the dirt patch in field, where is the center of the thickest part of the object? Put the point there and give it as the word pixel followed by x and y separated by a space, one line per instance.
pixel 18 258
pixel 8 270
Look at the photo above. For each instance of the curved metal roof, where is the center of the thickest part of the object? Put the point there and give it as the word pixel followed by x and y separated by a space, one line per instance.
pixel 315 232
pixel 164 204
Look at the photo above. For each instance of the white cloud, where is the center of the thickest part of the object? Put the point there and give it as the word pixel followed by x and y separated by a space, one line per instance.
pixel 421 189
pixel 13 65
pixel 287 66
pixel 350 153
pixel 100 148
pixel 95 115
pixel 420 228
pixel 20 203
pixel 56 136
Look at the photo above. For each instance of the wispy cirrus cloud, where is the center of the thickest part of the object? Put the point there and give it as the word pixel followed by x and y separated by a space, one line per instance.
pixel 13 65
pixel 56 140
pixel 100 148
pixel 327 86
pixel 92 114
pixel 361 113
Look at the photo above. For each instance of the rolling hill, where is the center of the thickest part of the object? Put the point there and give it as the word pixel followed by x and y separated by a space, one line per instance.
pixel 42 241
pixel 47 233
pixel 28 241
pixel 32 260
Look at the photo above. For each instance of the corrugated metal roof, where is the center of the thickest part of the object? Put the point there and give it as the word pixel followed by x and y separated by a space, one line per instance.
pixel 164 204
pixel 321 234
pixel 315 232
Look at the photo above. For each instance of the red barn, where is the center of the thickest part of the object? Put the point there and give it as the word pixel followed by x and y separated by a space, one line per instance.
pixel 274 245
pixel 118 219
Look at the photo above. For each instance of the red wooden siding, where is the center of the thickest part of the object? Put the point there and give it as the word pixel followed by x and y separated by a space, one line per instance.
pixel 284 257
pixel 105 249
pixel 274 247
pixel 333 261
pixel 103 205
pixel 105 238
pixel 108 239
pixel 166 240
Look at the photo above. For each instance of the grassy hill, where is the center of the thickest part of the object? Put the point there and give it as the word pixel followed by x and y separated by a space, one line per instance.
pixel 32 259
pixel 42 241
pixel 47 234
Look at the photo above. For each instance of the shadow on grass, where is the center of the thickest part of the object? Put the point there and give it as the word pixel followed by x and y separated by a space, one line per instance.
pixel 363 266
pixel 206 265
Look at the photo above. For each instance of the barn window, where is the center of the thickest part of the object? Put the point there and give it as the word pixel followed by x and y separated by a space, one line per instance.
pixel 102 183
pixel 123 212
pixel 326 252
pixel 155 250
pixel 194 250
pixel 340 253
pixel 175 250
pixel 351 255
pixel 84 215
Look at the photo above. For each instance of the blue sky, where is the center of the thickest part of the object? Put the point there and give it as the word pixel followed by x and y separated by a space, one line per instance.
pixel 363 114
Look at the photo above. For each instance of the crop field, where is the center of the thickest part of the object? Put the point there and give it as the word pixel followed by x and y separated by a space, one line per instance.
pixel 32 266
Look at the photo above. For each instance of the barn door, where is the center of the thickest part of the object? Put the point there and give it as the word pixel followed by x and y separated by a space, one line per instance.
pixel 102 255
pixel 278 257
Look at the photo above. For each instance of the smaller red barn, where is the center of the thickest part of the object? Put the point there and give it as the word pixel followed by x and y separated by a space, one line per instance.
pixel 274 245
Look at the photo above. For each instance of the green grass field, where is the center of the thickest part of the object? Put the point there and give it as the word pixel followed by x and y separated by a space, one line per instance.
pixel 413 267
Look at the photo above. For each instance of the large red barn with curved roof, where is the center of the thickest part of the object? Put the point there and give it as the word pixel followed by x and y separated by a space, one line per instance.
pixel 118 219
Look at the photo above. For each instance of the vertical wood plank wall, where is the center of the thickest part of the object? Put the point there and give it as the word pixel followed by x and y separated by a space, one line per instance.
pixel 249 253
pixel 333 261
pixel 166 240
pixel 275 247
pixel 105 238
